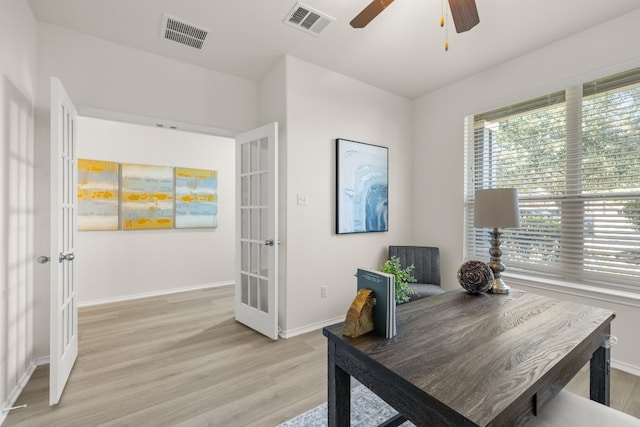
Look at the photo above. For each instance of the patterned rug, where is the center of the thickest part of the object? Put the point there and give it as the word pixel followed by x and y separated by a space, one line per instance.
pixel 367 410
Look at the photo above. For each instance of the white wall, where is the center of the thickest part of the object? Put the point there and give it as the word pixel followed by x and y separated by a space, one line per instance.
pixel 17 89
pixel 108 76
pixel 272 107
pixel 439 142
pixel 321 106
pixel 120 264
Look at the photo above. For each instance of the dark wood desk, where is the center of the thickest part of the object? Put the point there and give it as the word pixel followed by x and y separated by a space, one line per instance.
pixel 472 360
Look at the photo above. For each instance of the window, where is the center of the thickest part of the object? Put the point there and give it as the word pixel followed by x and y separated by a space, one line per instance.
pixel 574 157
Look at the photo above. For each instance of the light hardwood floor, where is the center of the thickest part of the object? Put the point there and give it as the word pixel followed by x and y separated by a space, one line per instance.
pixel 183 360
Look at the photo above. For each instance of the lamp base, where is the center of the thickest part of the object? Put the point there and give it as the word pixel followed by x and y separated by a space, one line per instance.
pixel 499 287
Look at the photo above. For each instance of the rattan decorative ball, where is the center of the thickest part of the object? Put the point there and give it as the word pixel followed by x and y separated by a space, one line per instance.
pixel 475 276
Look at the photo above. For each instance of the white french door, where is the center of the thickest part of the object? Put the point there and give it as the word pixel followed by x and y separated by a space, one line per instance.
pixel 257 229
pixel 63 341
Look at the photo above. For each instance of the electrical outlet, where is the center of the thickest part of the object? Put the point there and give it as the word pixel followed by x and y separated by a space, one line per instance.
pixel 323 291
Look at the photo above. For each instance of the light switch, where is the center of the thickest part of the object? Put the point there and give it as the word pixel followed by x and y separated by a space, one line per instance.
pixel 303 199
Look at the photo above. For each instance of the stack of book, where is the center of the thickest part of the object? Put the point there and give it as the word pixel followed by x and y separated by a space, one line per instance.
pixel 384 308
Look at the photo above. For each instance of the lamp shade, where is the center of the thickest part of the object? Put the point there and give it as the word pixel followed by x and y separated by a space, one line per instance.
pixel 496 208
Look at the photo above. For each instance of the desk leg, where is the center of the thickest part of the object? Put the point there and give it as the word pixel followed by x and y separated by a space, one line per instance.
pixel 339 393
pixel 599 385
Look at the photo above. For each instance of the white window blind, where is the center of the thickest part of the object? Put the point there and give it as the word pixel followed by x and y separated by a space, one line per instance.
pixel 574 157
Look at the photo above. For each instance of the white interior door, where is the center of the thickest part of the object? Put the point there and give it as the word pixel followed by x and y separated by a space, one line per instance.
pixel 257 229
pixel 63 344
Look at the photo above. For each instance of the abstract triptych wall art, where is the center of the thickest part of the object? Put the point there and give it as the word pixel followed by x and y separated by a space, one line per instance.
pixel 129 196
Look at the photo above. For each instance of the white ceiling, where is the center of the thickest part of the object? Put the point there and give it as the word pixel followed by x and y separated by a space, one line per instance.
pixel 401 51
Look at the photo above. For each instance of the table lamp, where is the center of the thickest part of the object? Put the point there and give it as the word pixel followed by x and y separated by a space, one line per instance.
pixel 496 208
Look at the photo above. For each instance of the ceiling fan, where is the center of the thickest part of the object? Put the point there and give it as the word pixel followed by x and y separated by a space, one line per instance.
pixel 464 14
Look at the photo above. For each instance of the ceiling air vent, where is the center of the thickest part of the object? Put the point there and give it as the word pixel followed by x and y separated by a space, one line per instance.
pixel 183 32
pixel 307 19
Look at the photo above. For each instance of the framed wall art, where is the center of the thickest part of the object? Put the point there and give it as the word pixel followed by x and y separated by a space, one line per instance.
pixel 98 195
pixel 196 198
pixel 361 187
pixel 146 197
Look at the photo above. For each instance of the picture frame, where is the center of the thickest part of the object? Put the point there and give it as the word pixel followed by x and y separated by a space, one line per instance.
pixel 196 198
pixel 362 187
pixel 98 195
pixel 146 197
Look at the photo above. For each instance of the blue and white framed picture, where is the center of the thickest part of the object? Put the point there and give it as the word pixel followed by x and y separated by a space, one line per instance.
pixel 362 185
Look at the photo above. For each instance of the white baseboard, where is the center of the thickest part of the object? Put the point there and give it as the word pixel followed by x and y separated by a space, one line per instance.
pixel 153 294
pixel 309 328
pixel 15 393
pixel 630 369
pixel 44 360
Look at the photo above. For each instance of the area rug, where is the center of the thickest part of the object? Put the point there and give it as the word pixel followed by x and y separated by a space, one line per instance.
pixel 367 410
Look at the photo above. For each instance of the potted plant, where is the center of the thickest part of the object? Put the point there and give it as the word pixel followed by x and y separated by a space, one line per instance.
pixel 403 278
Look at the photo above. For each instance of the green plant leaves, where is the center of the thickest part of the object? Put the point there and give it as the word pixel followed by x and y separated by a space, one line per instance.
pixel 403 278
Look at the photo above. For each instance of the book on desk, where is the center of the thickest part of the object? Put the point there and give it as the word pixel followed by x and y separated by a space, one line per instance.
pixel 384 291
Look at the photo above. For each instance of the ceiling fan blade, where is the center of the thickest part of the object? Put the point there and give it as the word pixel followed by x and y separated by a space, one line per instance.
pixel 368 13
pixel 465 14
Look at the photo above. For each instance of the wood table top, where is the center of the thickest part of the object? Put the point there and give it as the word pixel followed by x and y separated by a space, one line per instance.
pixel 479 353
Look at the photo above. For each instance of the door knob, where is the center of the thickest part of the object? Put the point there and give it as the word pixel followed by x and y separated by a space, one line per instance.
pixel 66 257
pixel 43 259
pixel 268 242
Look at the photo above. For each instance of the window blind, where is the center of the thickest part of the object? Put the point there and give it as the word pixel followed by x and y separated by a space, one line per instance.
pixel 574 156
